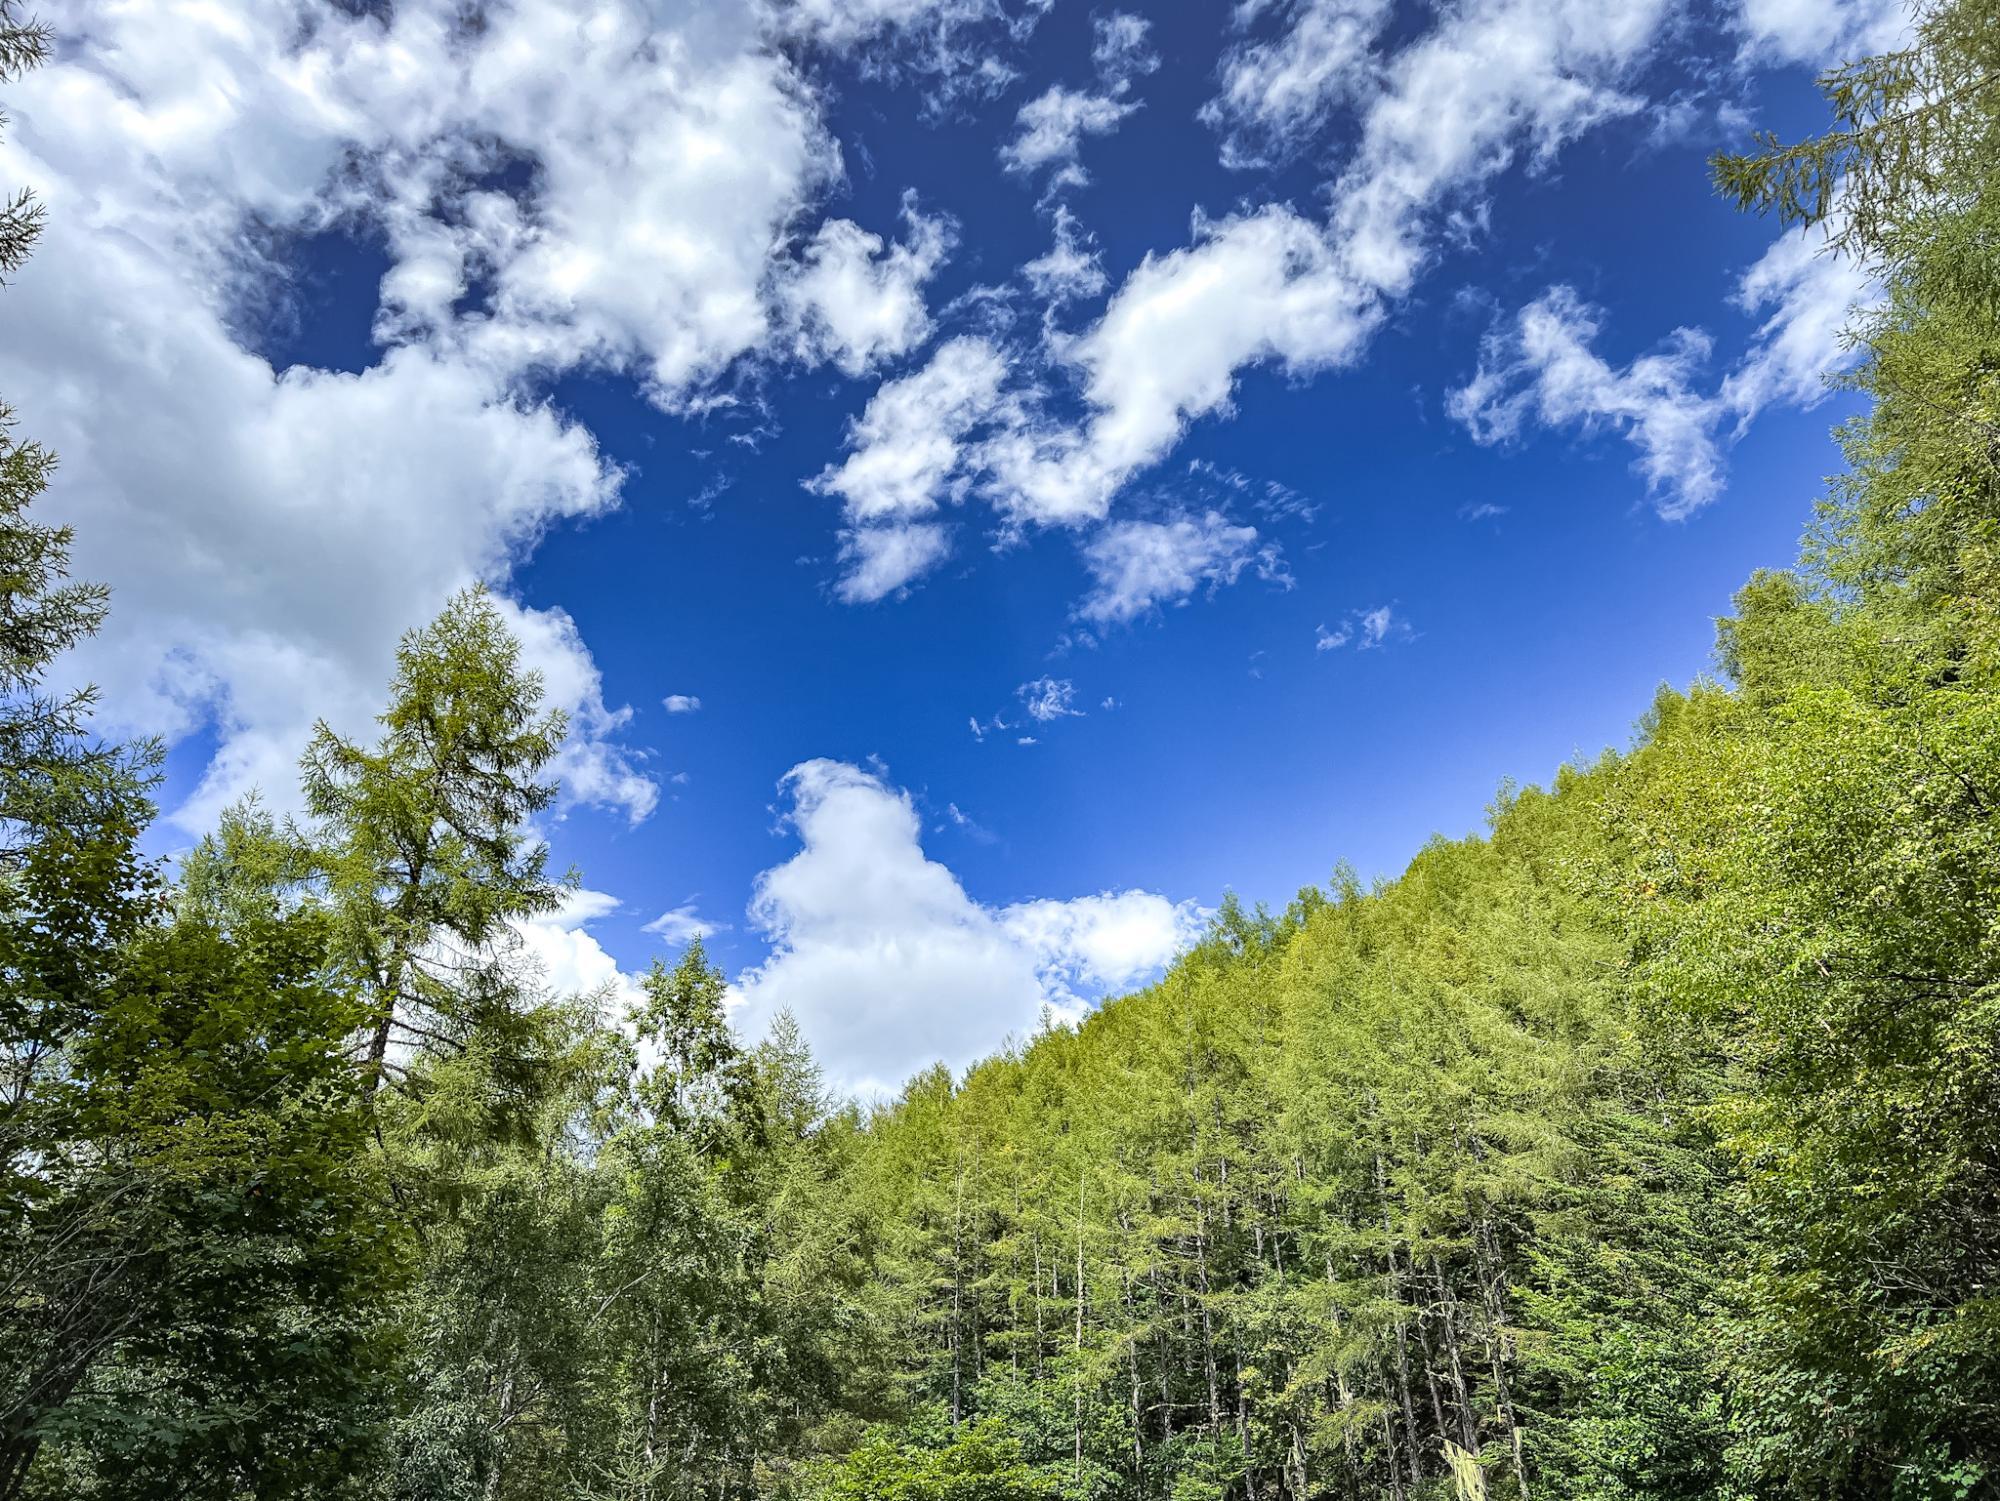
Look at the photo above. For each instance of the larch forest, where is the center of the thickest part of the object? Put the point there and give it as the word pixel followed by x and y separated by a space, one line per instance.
pixel 1646 1146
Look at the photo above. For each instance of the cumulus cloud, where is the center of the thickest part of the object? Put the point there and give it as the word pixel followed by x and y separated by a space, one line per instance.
pixel 1068 271
pixel 569 960
pixel 1807 296
pixel 1457 107
pixel 881 560
pixel 681 703
pixel 944 41
pixel 593 766
pixel 1120 49
pixel 1260 287
pixel 890 965
pixel 1095 945
pixel 907 449
pixel 1050 127
pixel 1136 566
pixel 906 444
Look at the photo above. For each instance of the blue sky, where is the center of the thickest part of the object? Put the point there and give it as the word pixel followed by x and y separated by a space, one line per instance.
pixel 1398 411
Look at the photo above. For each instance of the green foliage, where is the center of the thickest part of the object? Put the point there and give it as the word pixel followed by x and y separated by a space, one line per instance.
pixel 937 1461
pixel 200 1321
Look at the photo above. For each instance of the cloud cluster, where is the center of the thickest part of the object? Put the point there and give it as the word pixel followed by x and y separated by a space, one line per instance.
pixel 1365 629
pixel 554 192
pixel 1541 367
pixel 1048 698
pixel 1049 129
pixel 890 965
pixel 1492 82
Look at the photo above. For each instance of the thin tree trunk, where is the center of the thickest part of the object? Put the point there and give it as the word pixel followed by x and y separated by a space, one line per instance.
pixel 1132 1360
pixel 1389 1440
pixel 1078 1350
pixel 1402 1333
pixel 1492 1288
pixel 1468 1420
pixel 1207 1322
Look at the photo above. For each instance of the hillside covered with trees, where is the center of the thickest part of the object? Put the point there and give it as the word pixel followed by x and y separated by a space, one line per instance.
pixel 1646 1146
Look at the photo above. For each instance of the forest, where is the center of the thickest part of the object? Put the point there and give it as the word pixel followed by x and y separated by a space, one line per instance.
pixel 1645 1146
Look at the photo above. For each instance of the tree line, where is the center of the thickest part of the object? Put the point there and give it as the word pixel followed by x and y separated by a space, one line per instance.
pixel 1644 1146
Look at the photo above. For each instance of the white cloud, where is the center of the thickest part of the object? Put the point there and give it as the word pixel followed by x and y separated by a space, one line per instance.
pixel 1457 105
pixel 1808 295
pixel 939 38
pixel 1138 565
pixel 681 703
pixel 593 766
pixel 1048 699
pixel 1067 271
pixel 1260 287
pixel 1052 127
pixel 1819 33
pixel 1367 629
pixel 971 827
pixel 1120 50
pixel 906 444
pixel 1276 94
pixel 880 560
pixel 855 303
pixel 890 965
pixel 570 961
pixel 668 162
pixel 1542 366
pixel 906 456
pixel 1101 944
pixel 681 925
